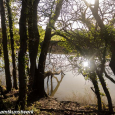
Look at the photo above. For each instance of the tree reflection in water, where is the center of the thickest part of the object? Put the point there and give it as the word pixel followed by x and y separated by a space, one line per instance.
pixel 52 91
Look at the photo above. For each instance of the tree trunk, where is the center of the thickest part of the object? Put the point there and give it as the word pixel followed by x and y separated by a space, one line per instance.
pixel 93 78
pixel 103 83
pixel 97 92
pixel 95 13
pixel 112 62
pixel 99 73
pixel 41 66
pixel 22 52
pixel 5 50
pixel 34 38
pixel 12 44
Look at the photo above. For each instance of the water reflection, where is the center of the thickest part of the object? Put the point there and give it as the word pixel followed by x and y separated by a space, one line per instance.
pixel 53 84
pixel 73 86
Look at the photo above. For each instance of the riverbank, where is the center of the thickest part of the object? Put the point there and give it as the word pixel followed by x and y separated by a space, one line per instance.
pixel 51 106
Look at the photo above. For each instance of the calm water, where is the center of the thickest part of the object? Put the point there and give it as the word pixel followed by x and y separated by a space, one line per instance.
pixel 71 86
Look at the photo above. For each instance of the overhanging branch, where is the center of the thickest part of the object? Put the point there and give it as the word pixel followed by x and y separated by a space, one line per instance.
pixel 107 76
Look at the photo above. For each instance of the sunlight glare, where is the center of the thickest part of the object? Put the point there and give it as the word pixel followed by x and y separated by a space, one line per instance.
pixel 85 64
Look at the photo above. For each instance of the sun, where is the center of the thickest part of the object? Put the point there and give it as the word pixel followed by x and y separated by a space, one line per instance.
pixel 85 64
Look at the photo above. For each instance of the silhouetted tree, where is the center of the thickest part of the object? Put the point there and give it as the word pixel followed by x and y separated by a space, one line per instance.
pixel 34 37
pixel 12 43
pixel 21 57
pixel 100 72
pixel 5 50
pixel 39 78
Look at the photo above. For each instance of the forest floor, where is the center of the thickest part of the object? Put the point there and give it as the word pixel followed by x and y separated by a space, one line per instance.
pixel 51 106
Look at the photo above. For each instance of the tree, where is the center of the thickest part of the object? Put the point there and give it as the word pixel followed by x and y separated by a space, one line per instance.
pixel 12 43
pixel 5 50
pixel 34 37
pixel 89 45
pixel 21 58
pixel 39 78
pixel 100 73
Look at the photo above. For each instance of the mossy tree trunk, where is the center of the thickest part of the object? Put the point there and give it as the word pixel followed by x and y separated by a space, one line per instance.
pixel 93 78
pixel 34 37
pixel 21 57
pixel 100 75
pixel 102 80
pixel 12 43
pixel 5 50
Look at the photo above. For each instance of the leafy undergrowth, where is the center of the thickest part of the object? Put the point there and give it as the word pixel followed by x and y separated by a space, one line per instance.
pixel 51 106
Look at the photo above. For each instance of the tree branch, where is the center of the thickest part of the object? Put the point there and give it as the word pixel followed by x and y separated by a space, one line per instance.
pixel 50 73
pixel 95 13
pixel 107 76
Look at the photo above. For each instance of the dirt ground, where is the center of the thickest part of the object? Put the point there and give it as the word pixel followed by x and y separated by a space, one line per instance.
pixel 51 106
